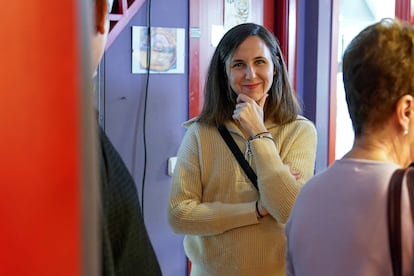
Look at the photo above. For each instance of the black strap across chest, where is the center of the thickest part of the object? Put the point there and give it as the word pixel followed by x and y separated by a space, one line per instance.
pixel 238 155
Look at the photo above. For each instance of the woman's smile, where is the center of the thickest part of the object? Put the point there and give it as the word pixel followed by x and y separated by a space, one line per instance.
pixel 251 86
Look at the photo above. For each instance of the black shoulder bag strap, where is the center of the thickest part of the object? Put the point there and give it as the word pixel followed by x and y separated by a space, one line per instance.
pixel 238 154
pixel 394 220
pixel 394 215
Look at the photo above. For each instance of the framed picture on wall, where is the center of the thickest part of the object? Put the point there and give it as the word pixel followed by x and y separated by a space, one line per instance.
pixel 237 12
pixel 165 50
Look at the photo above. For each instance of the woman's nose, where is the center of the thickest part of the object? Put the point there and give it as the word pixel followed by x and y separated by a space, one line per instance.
pixel 250 72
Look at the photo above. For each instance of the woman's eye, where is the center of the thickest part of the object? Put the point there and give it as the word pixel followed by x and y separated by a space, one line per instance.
pixel 236 65
pixel 260 61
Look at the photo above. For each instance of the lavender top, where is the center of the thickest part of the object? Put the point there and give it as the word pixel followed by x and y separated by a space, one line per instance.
pixel 338 224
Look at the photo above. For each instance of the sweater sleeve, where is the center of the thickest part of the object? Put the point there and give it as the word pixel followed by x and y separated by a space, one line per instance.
pixel 294 149
pixel 188 213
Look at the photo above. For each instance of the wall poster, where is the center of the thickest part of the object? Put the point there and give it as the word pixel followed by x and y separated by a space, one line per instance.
pixel 237 12
pixel 167 50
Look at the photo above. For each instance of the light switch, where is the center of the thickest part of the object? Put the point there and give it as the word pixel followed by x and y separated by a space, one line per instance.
pixel 171 165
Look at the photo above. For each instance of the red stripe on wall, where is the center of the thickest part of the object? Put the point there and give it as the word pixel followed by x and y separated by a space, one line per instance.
pixel 403 9
pixel 269 15
pixel 333 82
pixel 194 57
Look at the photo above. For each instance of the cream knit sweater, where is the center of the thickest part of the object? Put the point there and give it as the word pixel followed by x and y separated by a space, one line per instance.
pixel 212 201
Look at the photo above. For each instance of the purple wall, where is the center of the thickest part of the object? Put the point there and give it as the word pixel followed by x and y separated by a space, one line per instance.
pixel 167 109
pixel 313 69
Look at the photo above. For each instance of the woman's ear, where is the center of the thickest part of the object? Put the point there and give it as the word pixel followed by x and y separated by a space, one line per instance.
pixel 405 111
pixel 101 11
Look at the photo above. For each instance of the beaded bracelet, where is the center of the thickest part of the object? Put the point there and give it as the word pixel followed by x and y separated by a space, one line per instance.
pixel 257 209
pixel 265 134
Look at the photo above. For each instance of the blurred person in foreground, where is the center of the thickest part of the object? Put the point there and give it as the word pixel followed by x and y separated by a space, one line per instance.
pixel 338 225
pixel 231 228
pixel 126 247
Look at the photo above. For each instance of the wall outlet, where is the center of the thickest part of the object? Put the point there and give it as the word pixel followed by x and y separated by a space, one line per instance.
pixel 171 165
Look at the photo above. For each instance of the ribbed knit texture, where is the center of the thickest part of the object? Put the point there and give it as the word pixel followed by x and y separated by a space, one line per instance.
pixel 213 202
pixel 126 247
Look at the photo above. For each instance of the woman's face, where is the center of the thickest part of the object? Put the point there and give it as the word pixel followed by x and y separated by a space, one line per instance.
pixel 250 70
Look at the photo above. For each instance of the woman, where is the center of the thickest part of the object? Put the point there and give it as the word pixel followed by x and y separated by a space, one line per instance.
pixel 339 223
pixel 231 227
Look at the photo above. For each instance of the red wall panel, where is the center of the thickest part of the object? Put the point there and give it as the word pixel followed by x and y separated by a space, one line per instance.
pixel 39 172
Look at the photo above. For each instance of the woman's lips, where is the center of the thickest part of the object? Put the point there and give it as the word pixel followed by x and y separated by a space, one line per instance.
pixel 251 86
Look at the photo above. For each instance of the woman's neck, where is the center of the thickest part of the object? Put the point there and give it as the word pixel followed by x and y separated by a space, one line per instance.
pixel 374 149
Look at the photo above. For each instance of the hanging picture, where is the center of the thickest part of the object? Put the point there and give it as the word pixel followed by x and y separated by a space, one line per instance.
pixel 164 52
pixel 236 12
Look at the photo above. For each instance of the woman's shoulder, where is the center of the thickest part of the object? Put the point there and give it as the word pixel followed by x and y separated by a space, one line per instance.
pixel 300 124
pixel 301 120
pixel 195 126
pixel 192 121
